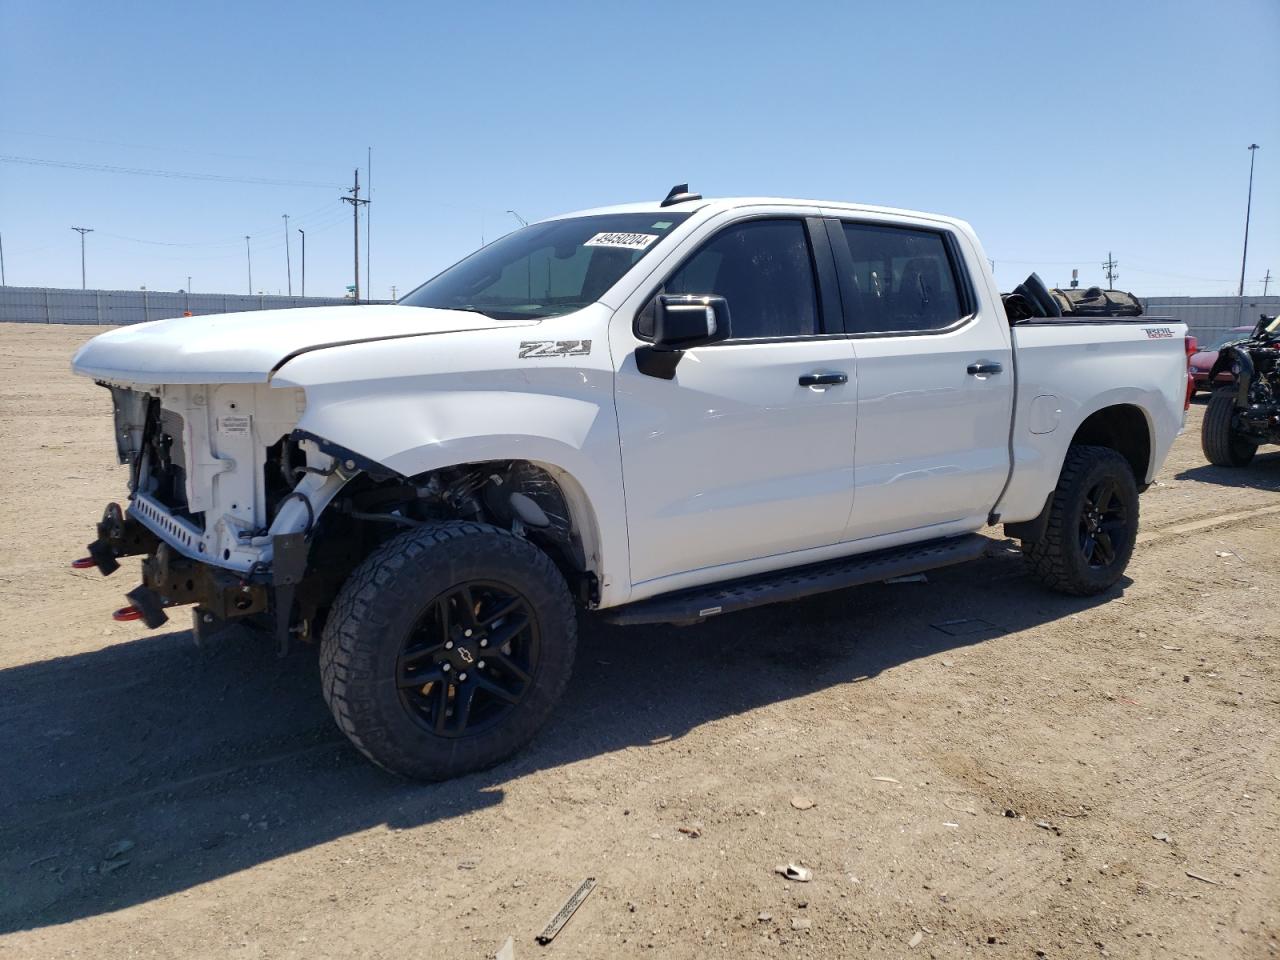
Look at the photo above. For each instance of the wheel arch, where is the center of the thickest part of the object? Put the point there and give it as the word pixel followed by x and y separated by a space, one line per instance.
pixel 1125 428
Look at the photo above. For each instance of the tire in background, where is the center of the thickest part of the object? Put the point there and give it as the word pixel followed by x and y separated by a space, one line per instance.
pixel 1221 447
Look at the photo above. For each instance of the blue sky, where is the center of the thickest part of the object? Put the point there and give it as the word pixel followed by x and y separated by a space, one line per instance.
pixel 1061 131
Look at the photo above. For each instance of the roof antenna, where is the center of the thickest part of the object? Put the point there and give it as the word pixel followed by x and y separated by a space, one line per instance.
pixel 679 194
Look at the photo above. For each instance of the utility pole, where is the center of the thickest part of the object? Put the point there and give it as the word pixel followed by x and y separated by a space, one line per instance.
pixel 355 202
pixel 1266 282
pixel 249 260
pixel 368 224
pixel 82 231
pixel 1110 265
pixel 2 283
pixel 393 291
pixel 1253 149
pixel 287 265
pixel 304 260
pixel 188 284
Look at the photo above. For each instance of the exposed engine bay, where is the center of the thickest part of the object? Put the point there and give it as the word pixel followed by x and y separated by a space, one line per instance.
pixel 1254 363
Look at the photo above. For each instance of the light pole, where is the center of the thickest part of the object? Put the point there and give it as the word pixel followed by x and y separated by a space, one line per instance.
pixel 1253 149
pixel 304 260
pixel 188 284
pixel 249 260
pixel 287 265
pixel 82 231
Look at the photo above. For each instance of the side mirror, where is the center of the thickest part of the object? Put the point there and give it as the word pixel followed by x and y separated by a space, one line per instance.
pixel 681 322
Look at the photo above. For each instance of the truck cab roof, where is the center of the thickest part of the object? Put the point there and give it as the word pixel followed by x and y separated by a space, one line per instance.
pixel 709 206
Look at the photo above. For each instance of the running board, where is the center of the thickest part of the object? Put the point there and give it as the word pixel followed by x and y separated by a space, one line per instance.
pixel 795 583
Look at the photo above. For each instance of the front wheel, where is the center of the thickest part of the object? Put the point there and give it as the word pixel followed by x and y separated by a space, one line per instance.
pixel 1093 524
pixel 447 649
pixel 1222 446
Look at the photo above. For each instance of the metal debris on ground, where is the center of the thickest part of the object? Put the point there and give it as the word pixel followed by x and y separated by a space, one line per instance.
pixel 793 872
pixel 802 803
pixel 1202 879
pixel 957 628
pixel 557 922
pixel 119 848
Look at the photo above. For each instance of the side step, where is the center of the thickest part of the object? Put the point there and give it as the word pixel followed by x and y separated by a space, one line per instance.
pixel 797 582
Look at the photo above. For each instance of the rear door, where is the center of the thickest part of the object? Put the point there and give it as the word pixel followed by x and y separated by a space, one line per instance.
pixel 734 458
pixel 935 378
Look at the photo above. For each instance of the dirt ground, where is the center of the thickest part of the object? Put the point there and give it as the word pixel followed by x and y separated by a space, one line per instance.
pixel 1073 778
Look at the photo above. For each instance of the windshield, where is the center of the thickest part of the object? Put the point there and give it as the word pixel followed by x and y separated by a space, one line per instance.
pixel 547 269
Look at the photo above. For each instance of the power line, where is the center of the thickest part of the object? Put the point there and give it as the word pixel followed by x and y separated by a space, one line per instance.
pixel 165 148
pixel 168 174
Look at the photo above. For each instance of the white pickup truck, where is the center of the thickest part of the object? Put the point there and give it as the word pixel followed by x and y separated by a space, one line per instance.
pixel 661 412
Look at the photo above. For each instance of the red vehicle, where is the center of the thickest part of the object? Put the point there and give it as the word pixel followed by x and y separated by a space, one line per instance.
pixel 1202 361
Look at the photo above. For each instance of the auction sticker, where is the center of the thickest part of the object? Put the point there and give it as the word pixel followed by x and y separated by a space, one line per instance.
pixel 623 241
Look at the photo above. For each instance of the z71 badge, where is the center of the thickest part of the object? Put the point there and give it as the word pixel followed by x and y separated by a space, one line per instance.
pixel 553 348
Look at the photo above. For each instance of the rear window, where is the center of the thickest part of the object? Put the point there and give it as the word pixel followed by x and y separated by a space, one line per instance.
pixel 903 280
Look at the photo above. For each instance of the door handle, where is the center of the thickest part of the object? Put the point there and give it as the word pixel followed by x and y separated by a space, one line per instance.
pixel 981 367
pixel 823 379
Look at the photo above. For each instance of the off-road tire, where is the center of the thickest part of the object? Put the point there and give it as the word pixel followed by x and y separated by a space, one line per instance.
pixel 1057 559
pixel 1221 446
pixel 380 604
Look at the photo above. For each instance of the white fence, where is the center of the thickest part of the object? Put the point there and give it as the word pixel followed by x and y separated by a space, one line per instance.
pixel 53 305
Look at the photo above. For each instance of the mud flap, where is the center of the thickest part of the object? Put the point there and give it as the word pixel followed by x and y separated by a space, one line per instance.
pixel 288 564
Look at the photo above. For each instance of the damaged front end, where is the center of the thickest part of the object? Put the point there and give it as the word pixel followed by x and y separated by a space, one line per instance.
pixel 222 499
pixel 1254 364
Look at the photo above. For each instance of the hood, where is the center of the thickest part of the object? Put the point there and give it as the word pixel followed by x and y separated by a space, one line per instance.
pixel 247 347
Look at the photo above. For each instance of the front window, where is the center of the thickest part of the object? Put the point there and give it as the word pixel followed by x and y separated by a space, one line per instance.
pixel 547 269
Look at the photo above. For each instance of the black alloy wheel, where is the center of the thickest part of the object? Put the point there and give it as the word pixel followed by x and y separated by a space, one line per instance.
pixel 469 660
pixel 448 648
pixel 1103 520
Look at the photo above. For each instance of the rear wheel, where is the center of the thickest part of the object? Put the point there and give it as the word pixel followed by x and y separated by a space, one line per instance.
pixel 1222 446
pixel 1093 524
pixel 447 649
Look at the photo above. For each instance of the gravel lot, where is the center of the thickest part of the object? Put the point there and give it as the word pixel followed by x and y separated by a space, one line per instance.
pixel 1085 778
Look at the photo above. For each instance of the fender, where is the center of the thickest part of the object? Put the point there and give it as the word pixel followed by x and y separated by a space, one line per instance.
pixel 1240 363
pixel 1039 458
pixel 399 408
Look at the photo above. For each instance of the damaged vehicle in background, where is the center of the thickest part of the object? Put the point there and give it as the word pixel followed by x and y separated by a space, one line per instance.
pixel 1244 416
pixel 660 412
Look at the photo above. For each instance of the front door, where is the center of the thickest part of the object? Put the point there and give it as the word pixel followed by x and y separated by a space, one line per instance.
pixel 733 458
